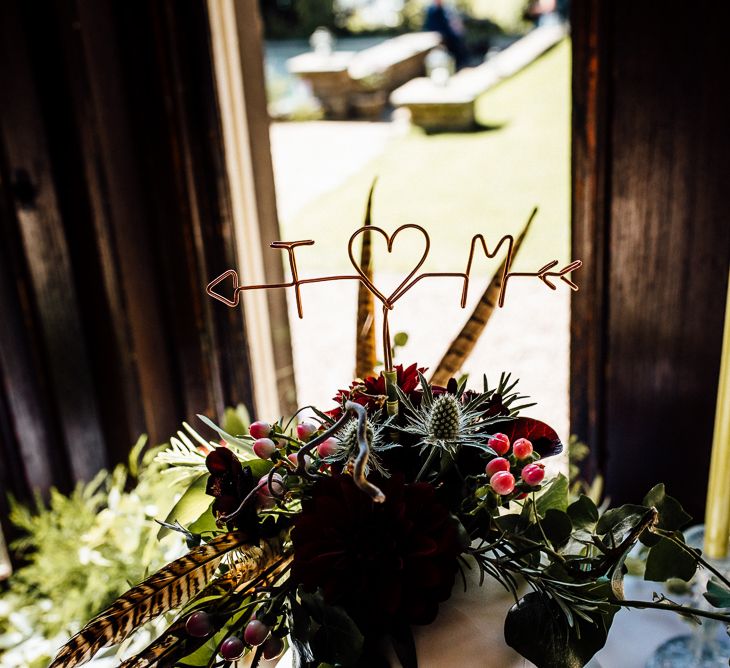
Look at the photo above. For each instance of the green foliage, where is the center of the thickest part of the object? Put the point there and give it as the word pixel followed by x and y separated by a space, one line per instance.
pixel 333 636
pixel 85 549
pixel 718 594
pixel 667 559
pixel 555 496
pixel 297 19
pixel 577 453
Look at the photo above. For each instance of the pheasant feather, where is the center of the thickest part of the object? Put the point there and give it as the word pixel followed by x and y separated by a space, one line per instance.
pixel 169 588
pixel 464 343
pixel 365 337
pixel 176 643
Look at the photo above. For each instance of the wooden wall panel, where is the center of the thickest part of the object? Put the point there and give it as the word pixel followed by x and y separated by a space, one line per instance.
pixel 114 215
pixel 659 212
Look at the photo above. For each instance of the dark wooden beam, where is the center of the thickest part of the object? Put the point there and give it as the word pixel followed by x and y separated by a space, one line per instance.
pixel 44 243
pixel 591 220
pixel 650 220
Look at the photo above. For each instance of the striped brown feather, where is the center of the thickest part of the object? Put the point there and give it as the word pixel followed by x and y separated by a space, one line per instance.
pixel 175 643
pixel 170 587
pixel 467 338
pixel 365 358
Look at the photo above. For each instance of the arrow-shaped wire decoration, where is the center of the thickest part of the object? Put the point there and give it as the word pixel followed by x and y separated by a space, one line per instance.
pixel 545 273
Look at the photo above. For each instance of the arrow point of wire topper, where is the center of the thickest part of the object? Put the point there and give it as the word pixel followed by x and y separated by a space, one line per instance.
pixel 544 274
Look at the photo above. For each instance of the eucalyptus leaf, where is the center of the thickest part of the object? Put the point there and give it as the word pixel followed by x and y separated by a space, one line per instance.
pixel 668 560
pixel 189 507
pixel 671 514
pixel 583 513
pixel 557 526
pixel 338 639
pixel 618 523
pixel 718 594
pixel 400 339
pixel 537 629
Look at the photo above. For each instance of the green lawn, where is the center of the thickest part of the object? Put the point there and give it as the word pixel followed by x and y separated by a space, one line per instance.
pixel 457 185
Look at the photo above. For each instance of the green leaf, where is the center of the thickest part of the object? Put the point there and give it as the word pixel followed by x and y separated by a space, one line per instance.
pixel 400 339
pixel 537 628
pixel 671 514
pixel 668 560
pixel 508 523
pixel 231 440
pixel 557 526
pixel 338 639
pixel 259 467
pixel 619 522
pixel 583 513
pixel 236 420
pixel 555 495
pixel 190 506
pixel 718 594
pixel 204 523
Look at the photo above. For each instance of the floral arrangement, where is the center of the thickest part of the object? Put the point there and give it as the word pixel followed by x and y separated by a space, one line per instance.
pixel 338 534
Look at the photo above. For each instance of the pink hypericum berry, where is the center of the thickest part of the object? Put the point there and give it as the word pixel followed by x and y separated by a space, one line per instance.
pixel 499 443
pixel 198 624
pixel 273 648
pixel 260 429
pixel 264 447
pixel 293 459
pixel 502 482
pixel 305 430
pixel 255 632
pixel 496 465
pixel 328 447
pixel 533 474
pixel 263 496
pixel 522 448
pixel 232 648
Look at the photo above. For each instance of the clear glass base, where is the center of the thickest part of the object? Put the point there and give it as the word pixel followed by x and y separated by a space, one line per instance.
pixel 709 645
pixel 687 652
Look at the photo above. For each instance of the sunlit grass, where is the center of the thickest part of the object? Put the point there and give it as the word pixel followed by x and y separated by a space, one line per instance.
pixel 457 185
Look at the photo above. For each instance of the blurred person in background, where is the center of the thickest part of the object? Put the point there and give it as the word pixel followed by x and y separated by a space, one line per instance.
pixel 451 28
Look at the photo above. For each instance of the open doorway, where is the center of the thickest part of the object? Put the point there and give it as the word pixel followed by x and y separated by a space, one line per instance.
pixel 454 183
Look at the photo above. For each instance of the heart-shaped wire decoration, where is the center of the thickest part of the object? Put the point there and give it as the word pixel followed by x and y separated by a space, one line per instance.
pixel 390 239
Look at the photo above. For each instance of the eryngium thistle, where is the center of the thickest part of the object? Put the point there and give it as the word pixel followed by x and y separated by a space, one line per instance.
pixel 348 437
pixel 349 447
pixel 445 418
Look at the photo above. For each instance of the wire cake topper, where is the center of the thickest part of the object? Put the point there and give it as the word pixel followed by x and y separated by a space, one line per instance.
pixel 544 273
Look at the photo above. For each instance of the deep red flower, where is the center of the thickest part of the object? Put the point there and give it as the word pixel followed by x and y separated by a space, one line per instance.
pixel 384 563
pixel 543 437
pixel 370 391
pixel 229 483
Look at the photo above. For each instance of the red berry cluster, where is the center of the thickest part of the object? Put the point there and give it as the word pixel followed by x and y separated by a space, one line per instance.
pixel 504 470
pixel 255 634
pixel 273 444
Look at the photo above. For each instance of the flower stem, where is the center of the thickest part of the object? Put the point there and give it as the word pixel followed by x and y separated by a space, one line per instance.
pixel 655 605
pixel 426 464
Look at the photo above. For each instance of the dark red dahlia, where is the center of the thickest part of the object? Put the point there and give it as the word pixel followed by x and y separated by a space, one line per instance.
pixel 370 391
pixel 229 483
pixel 384 563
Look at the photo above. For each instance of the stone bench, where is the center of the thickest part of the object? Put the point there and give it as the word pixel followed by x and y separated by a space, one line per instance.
pixel 348 83
pixel 452 106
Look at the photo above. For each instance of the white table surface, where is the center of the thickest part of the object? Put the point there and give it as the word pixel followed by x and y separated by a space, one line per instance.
pixel 468 632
